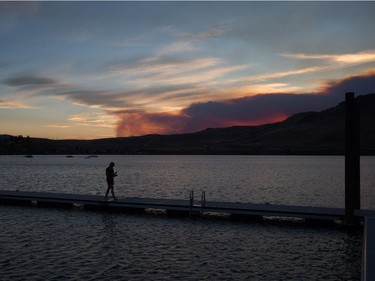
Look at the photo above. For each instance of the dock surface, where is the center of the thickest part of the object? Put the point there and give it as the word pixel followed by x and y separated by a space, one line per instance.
pixel 173 205
pixel 179 206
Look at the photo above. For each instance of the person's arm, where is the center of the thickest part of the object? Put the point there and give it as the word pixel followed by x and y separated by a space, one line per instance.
pixel 111 174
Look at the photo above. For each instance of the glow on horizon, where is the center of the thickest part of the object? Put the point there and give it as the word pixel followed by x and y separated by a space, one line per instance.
pixel 88 70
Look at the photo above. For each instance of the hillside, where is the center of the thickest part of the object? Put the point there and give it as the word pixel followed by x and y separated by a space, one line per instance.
pixel 304 133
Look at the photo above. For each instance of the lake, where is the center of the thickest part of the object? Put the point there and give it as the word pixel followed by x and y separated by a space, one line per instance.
pixel 51 244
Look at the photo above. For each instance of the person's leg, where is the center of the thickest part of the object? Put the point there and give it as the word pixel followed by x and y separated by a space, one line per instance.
pixel 113 192
pixel 106 194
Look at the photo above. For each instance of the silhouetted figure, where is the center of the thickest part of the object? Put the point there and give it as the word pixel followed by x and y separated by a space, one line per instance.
pixel 111 174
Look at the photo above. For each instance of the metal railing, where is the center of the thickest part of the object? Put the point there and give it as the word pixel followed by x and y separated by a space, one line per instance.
pixel 202 203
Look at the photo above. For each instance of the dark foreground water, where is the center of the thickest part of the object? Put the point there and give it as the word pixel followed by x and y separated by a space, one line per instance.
pixel 52 244
pixel 49 244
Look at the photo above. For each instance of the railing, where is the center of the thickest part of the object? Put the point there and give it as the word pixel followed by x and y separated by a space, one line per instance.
pixel 191 200
pixel 203 200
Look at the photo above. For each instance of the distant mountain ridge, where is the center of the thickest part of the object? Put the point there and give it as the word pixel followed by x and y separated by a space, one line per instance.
pixel 309 133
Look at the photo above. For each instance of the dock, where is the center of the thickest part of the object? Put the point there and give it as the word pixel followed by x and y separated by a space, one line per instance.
pixel 175 206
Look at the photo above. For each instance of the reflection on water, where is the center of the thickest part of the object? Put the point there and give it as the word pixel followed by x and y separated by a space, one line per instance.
pixel 73 245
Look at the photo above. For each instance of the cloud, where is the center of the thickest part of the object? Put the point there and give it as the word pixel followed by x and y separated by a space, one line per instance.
pixel 148 66
pixel 251 110
pixel 343 59
pixel 330 62
pixel 273 75
pixel 139 123
pixel 153 80
pixel 212 32
pixel 88 119
pixel 177 47
pixel 93 120
pixel 254 110
pixel 160 83
pixel 28 80
pixel 58 126
pixel 110 100
pixel 360 84
pixel 11 104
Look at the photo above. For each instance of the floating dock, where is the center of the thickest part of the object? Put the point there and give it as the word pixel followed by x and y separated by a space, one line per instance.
pixel 175 206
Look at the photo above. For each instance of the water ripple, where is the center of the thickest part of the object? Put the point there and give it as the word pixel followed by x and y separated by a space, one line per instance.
pixel 47 244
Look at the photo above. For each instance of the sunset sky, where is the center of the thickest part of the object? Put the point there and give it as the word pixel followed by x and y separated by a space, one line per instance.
pixel 88 70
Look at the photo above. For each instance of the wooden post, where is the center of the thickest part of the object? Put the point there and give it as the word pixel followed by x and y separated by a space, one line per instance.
pixel 352 158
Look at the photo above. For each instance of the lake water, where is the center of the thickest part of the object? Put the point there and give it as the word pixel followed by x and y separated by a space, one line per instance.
pixel 49 244
pixel 293 180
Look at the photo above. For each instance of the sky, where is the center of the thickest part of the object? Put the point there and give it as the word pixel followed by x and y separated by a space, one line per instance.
pixel 88 70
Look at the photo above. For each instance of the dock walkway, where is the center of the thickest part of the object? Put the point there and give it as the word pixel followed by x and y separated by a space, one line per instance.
pixel 173 205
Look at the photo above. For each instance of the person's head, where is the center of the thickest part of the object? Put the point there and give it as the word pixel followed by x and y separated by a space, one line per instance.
pixel 111 164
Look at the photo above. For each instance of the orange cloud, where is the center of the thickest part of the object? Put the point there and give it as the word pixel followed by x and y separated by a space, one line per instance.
pixel 137 124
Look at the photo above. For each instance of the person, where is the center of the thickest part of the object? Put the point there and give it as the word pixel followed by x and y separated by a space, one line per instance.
pixel 111 174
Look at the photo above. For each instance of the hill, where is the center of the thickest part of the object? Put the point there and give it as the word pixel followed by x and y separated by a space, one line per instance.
pixel 311 133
